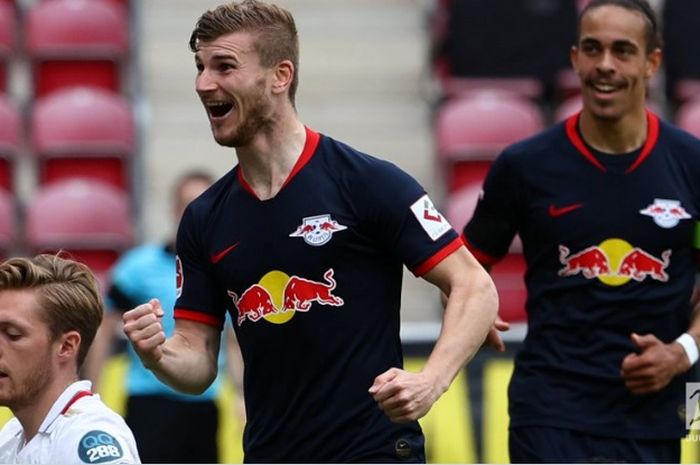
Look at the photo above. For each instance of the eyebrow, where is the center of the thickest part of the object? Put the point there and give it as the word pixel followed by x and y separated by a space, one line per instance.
pixel 616 43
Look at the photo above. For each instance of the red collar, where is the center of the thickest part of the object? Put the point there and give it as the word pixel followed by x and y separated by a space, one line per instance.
pixel 649 144
pixel 74 399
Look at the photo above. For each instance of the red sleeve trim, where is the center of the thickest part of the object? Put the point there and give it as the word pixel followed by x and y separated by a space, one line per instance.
pixel 442 254
pixel 483 258
pixel 198 317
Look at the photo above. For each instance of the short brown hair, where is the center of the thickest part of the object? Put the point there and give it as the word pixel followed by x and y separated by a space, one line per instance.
pixel 274 26
pixel 66 291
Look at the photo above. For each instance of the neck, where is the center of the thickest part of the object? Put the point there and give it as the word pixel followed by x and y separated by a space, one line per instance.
pixel 32 415
pixel 269 159
pixel 614 136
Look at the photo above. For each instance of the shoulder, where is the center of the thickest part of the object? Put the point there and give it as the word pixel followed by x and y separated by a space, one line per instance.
pixel 356 168
pixel 93 433
pixel 215 192
pixel 677 138
pixel 10 435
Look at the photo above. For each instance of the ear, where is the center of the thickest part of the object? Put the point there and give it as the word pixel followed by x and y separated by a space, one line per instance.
pixel 68 346
pixel 573 57
pixel 653 63
pixel 284 74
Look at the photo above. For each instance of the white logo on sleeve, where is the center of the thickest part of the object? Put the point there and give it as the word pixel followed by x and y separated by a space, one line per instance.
pixel 429 218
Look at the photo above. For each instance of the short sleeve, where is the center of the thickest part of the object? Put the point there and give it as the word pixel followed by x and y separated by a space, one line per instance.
pixel 493 226
pixel 404 218
pixel 195 282
pixel 95 442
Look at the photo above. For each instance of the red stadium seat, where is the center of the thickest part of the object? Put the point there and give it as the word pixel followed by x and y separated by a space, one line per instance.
pixel 83 132
pixel 77 42
pixel 8 31
pixel 526 87
pixel 508 273
pixel 688 117
pixel 472 130
pixel 687 89
pixel 86 218
pixel 10 128
pixel 8 220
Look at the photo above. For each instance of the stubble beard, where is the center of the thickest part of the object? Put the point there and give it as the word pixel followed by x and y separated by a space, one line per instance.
pixel 30 390
pixel 257 119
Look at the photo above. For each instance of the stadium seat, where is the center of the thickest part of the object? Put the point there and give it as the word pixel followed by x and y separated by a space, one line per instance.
pixel 10 136
pixel 8 31
pixel 8 220
pixel 509 272
pixel 522 44
pixel 472 130
pixel 688 117
pixel 88 219
pixel 77 42
pixel 83 132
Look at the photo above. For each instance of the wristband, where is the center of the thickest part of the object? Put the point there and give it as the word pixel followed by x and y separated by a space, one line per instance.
pixel 689 346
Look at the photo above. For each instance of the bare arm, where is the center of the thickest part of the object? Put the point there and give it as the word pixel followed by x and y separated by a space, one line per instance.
pixel 187 361
pixel 653 368
pixel 471 309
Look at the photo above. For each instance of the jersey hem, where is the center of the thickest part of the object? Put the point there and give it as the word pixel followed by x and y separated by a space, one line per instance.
pixel 199 317
pixel 443 253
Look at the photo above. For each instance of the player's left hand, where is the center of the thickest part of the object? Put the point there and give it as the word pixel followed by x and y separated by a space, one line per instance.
pixel 654 367
pixel 404 396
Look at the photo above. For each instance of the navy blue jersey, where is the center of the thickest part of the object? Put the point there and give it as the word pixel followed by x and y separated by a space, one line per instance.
pixel 312 278
pixel 609 246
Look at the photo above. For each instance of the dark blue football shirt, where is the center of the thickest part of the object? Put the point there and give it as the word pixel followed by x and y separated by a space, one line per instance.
pixel 609 246
pixel 312 278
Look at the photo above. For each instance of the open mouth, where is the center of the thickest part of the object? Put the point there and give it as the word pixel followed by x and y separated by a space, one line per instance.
pixel 605 88
pixel 218 109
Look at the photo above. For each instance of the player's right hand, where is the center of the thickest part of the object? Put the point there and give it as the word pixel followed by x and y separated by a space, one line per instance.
pixel 143 327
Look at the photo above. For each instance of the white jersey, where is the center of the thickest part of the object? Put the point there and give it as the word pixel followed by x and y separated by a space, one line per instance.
pixel 78 429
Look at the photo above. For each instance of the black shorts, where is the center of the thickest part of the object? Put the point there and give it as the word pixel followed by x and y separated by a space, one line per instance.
pixel 173 431
pixel 537 444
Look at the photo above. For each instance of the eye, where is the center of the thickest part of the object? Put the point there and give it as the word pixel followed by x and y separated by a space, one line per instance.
pixel 589 49
pixel 200 68
pixel 13 335
pixel 223 67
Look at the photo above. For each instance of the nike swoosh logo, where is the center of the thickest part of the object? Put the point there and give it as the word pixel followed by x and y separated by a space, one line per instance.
pixel 555 212
pixel 219 256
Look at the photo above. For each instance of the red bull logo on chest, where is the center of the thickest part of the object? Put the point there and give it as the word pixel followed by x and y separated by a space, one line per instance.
pixel 317 230
pixel 666 213
pixel 278 296
pixel 614 262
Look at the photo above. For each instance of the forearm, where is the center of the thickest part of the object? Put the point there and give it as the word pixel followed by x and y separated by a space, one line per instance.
pixel 469 314
pixel 184 366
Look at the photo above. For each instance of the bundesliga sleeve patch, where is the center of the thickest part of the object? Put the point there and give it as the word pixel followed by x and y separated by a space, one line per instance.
pixel 99 447
pixel 429 218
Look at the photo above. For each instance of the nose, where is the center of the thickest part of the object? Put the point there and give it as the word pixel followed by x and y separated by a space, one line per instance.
pixel 204 82
pixel 607 62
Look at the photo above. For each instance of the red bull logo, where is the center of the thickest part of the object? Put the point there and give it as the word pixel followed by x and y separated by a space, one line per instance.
pixel 666 213
pixel 614 262
pixel 277 297
pixel 317 230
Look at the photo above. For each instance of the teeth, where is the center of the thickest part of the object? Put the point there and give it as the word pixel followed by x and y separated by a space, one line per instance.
pixel 604 87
